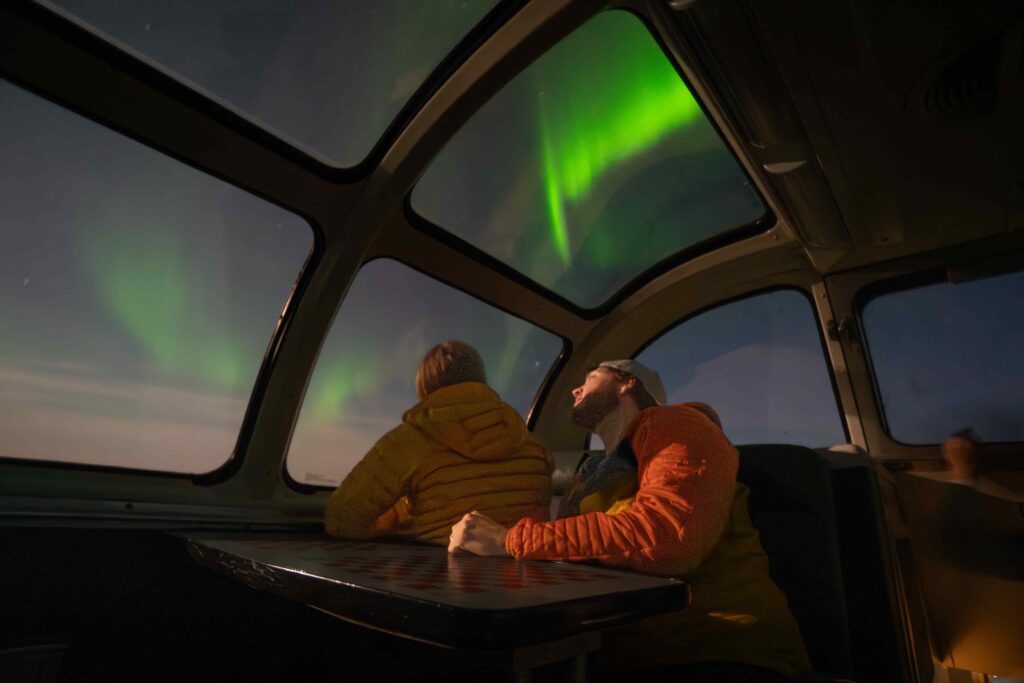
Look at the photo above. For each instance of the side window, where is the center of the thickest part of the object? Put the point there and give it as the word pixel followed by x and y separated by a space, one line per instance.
pixel 137 296
pixel 947 357
pixel 760 363
pixel 364 379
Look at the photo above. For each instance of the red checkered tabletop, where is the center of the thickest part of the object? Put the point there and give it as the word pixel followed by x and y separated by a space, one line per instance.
pixel 430 573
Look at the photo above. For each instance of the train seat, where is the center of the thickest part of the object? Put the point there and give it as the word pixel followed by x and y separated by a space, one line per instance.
pixel 791 506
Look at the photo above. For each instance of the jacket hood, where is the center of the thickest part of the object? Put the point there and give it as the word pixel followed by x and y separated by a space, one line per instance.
pixel 471 420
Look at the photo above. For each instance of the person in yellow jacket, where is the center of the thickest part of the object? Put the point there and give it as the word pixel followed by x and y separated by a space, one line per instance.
pixel 460 448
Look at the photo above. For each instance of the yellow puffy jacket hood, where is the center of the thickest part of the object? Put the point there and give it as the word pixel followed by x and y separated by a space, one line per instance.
pixel 469 419
pixel 460 449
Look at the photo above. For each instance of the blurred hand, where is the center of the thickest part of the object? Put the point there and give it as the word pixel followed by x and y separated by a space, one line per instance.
pixel 397 517
pixel 479 534
pixel 961 454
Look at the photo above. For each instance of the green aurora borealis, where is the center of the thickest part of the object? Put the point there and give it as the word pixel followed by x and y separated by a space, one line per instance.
pixel 173 308
pixel 596 108
pixel 606 94
pixel 600 100
pixel 151 289
pixel 591 166
pixel 340 377
pixel 599 108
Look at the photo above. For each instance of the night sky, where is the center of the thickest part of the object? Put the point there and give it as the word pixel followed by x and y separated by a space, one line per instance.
pixel 329 78
pixel 591 166
pixel 760 363
pixel 949 357
pixel 138 295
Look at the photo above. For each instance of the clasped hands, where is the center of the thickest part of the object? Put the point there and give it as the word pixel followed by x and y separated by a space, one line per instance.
pixel 479 534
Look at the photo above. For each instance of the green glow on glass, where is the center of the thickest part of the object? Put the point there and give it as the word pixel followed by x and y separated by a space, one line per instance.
pixel 608 94
pixel 143 285
pixel 148 285
pixel 340 380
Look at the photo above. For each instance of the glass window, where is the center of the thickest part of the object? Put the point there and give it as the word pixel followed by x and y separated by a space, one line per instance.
pixel 947 357
pixel 365 377
pixel 591 166
pixel 137 296
pixel 328 76
pixel 760 363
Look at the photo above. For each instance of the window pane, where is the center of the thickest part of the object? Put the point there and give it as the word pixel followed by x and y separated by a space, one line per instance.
pixel 947 357
pixel 760 364
pixel 365 378
pixel 329 76
pixel 590 167
pixel 137 296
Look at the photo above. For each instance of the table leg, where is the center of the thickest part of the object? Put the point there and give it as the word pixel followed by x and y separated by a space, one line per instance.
pixel 572 650
pixel 578 672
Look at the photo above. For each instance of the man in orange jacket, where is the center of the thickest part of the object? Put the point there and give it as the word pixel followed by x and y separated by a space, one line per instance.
pixel 685 515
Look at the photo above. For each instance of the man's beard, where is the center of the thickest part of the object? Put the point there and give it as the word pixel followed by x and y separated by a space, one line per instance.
pixel 589 412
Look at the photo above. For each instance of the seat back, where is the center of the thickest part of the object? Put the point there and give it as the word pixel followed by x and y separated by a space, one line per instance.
pixel 879 650
pixel 792 508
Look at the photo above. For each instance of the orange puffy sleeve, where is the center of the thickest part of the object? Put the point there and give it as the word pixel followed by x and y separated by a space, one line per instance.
pixel 687 478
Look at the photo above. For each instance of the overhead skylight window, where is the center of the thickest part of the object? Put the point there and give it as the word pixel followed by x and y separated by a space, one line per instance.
pixel 327 76
pixel 590 167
